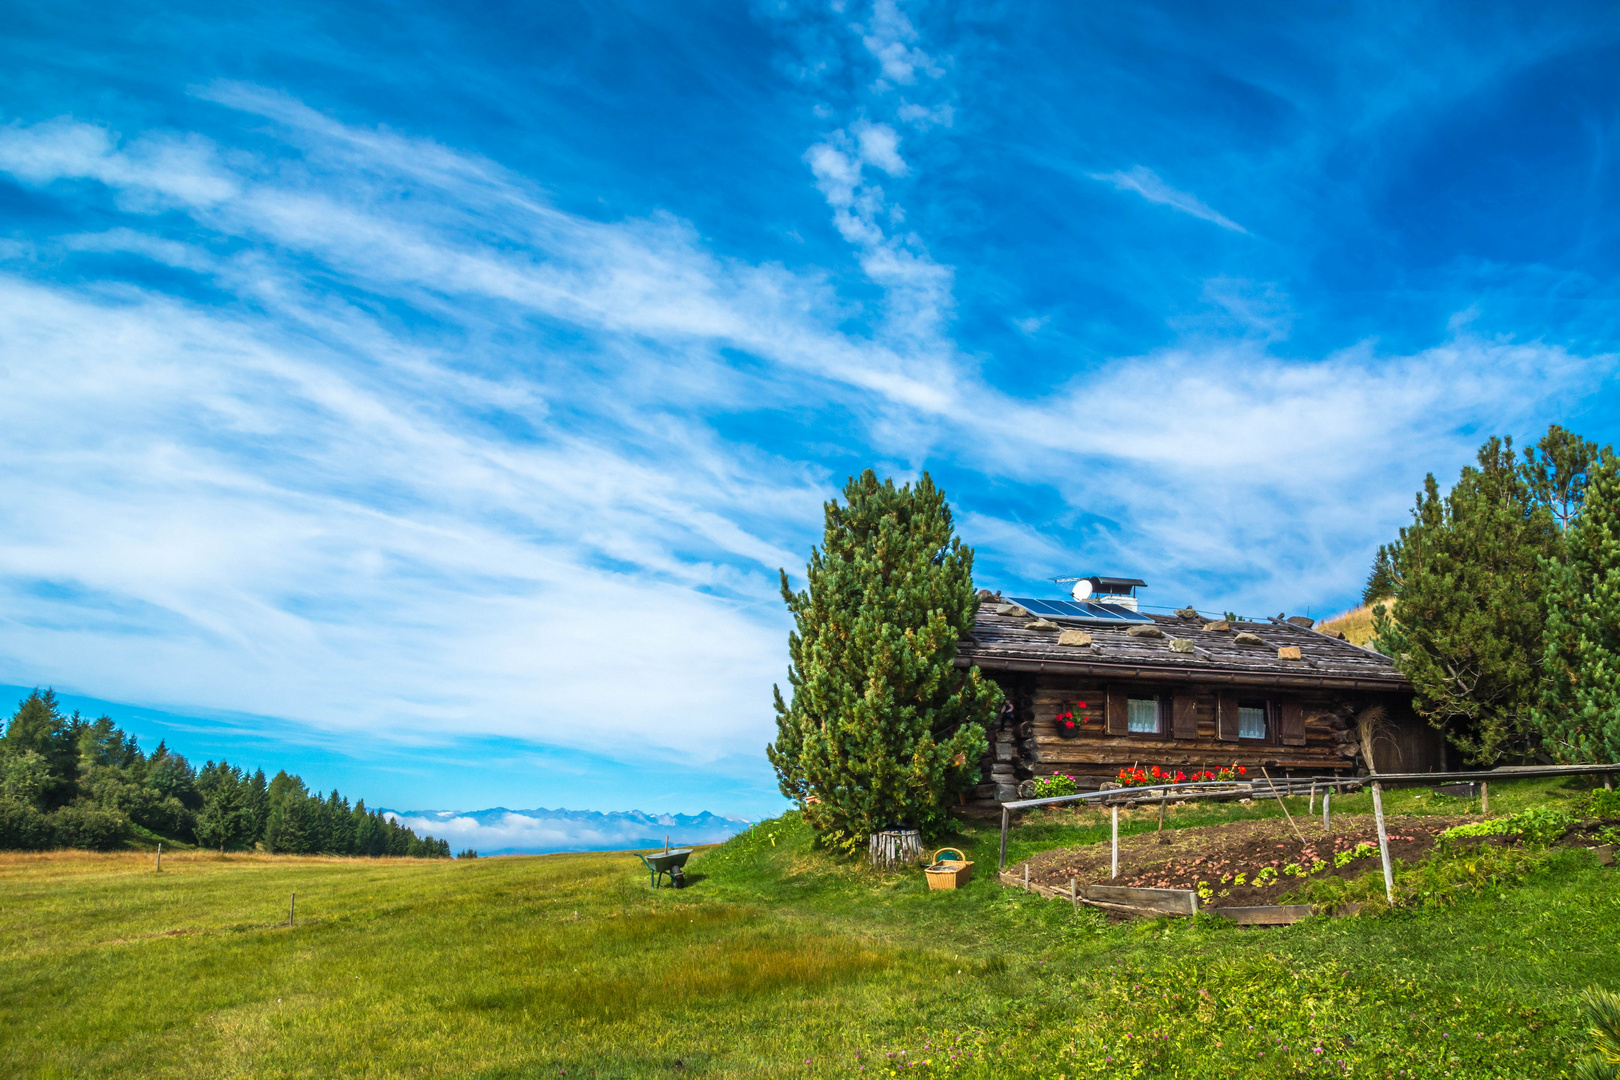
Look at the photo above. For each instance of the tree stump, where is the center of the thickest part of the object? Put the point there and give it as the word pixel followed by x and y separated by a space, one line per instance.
pixel 895 847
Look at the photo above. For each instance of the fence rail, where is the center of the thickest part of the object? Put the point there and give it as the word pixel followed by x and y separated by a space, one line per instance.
pixel 1248 789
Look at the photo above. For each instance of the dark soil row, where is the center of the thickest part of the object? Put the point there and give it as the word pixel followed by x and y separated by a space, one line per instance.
pixel 1217 854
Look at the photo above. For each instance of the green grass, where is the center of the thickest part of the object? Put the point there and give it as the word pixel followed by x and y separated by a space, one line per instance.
pixel 778 962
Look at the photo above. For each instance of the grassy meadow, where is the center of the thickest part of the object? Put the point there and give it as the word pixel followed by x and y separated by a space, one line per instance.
pixel 778 962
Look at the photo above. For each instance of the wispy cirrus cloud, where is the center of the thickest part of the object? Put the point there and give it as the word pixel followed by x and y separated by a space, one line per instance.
pixel 1143 181
pixel 469 527
pixel 324 418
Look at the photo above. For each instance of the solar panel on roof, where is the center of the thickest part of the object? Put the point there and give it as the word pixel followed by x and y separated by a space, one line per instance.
pixel 1078 611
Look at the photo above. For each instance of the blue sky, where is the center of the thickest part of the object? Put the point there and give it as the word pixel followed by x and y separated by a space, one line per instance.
pixel 423 398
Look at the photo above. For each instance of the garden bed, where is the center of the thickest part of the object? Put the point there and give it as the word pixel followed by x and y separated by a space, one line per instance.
pixel 1216 855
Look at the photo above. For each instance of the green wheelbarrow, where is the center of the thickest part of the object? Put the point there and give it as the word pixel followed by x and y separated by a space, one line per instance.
pixel 664 862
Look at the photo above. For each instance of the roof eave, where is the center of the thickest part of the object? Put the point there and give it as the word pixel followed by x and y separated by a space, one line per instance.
pixel 1394 683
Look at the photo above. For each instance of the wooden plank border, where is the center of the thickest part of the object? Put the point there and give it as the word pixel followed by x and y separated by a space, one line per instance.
pixel 1165 903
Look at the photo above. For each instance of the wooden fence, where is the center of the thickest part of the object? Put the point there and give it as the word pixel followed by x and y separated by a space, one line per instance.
pixel 1278 786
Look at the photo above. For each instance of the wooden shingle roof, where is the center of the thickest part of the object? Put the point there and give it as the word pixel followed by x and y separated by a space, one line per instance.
pixel 1009 642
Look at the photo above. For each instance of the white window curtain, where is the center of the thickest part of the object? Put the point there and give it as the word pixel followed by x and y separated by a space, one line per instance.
pixel 1251 723
pixel 1143 715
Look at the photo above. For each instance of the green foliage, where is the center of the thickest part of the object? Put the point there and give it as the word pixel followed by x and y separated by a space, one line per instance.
pixel 23 826
pixel 1535 825
pixel 1362 850
pixel 1579 711
pixel 883 728
pixel 1469 585
pixel 1494 827
pixel 24 776
pixel 1599 804
pixel 1542 824
pixel 88 827
pixel 1600 1009
pixel 1449 875
pixel 69 782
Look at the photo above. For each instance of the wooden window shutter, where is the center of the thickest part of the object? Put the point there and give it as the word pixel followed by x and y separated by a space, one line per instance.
pixel 1226 717
pixel 1184 718
pixel 1115 713
pixel 1291 723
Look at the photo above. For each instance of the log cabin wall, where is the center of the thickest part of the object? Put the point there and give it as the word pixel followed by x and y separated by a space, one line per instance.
pixel 1104 746
pixel 1307 733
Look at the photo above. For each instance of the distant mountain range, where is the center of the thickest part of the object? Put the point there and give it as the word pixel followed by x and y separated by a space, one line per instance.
pixel 499 831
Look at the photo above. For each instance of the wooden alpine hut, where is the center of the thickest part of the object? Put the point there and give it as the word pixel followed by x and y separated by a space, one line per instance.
pixel 1095 685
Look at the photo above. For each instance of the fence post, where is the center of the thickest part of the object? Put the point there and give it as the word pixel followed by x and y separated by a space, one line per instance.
pixel 1327 820
pixel 1074 892
pixel 292 909
pixel 1005 816
pixel 1383 841
pixel 1164 795
pixel 160 857
pixel 1114 872
pixel 1311 808
pixel 1026 875
pixel 1484 797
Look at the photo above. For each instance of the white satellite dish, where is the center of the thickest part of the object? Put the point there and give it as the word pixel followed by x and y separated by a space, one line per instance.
pixel 1081 590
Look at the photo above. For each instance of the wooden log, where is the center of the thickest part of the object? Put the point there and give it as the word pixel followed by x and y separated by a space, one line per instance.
pixel 1270 915
pixel 1159 901
pixel 1383 841
pixel 894 847
pixel 1114 873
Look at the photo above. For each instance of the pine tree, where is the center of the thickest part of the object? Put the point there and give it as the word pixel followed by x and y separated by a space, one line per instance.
pixel 257 800
pixel 884 728
pixel 1470 594
pixel 1557 470
pixel 1579 713
pixel 39 726
pixel 1381 581
pixel 225 820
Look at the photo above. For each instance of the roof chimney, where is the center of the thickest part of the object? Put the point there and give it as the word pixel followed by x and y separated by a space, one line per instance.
pixel 1108 590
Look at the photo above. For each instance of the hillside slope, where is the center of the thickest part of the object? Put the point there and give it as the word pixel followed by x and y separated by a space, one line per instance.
pixel 1356 624
pixel 777 962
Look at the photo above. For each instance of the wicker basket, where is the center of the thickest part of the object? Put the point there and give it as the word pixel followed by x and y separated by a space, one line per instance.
pixel 949 873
